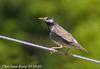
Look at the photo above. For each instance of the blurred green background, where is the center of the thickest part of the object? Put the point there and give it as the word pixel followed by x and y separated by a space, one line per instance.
pixel 18 19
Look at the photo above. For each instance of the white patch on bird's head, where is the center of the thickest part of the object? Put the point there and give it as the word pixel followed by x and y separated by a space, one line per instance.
pixel 49 20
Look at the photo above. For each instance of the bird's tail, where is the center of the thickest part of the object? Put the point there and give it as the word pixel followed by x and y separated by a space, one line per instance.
pixel 81 48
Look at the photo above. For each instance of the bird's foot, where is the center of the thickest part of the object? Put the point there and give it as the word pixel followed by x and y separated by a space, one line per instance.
pixel 53 51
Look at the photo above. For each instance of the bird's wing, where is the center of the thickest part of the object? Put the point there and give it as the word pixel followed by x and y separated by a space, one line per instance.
pixel 67 36
pixel 63 33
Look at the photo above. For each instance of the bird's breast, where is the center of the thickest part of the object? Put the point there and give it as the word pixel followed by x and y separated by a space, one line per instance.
pixel 57 39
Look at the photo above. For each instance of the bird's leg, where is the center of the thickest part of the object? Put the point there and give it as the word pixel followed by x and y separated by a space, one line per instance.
pixel 67 51
pixel 60 46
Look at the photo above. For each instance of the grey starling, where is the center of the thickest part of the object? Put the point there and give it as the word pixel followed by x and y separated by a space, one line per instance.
pixel 60 36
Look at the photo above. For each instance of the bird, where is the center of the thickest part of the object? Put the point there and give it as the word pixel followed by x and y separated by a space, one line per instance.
pixel 61 37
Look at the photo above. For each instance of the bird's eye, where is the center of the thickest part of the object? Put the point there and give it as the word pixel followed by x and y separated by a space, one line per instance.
pixel 47 18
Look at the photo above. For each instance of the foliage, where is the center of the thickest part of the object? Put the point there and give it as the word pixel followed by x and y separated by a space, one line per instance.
pixel 18 19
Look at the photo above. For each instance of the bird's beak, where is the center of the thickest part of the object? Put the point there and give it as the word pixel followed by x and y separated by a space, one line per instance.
pixel 41 18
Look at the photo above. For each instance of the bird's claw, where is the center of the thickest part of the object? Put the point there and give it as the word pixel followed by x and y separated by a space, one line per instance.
pixel 53 51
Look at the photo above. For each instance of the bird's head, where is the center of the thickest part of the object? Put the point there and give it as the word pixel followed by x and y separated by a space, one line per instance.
pixel 48 20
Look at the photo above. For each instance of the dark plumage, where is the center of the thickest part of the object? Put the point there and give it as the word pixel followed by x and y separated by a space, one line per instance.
pixel 60 36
